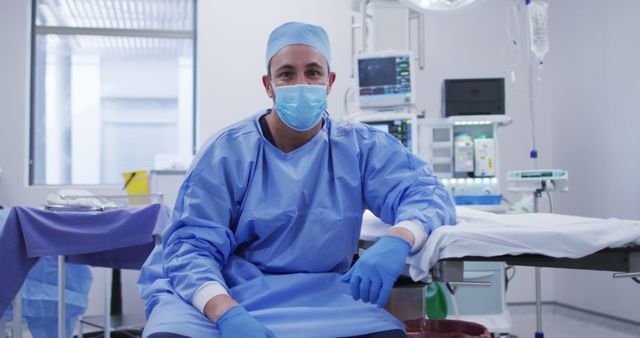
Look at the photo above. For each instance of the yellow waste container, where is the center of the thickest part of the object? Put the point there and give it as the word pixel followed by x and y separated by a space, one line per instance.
pixel 137 183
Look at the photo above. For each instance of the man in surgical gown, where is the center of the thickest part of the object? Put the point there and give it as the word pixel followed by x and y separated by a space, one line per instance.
pixel 268 218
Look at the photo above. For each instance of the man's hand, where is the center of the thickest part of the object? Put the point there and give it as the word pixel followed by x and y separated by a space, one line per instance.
pixel 238 323
pixel 373 275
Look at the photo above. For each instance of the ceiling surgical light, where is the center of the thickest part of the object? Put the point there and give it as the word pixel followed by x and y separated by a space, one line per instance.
pixel 436 5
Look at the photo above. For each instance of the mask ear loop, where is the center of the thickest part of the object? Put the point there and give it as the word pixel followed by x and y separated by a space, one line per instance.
pixel 273 90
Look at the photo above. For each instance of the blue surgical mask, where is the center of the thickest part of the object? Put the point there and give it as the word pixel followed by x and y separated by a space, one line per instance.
pixel 301 106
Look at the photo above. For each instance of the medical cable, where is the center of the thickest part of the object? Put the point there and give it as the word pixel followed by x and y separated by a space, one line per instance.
pixel 508 279
pixel 346 100
pixel 550 202
pixel 413 109
pixel 454 306
pixel 508 201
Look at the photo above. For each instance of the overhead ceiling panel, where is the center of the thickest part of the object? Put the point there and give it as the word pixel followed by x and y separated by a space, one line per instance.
pixel 153 15
pixel 124 14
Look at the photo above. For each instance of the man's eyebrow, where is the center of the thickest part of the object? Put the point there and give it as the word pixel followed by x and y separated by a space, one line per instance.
pixel 284 67
pixel 314 65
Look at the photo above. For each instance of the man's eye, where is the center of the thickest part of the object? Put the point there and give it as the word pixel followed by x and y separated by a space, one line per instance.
pixel 285 75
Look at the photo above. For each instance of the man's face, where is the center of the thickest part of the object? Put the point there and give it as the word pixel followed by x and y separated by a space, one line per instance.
pixel 298 64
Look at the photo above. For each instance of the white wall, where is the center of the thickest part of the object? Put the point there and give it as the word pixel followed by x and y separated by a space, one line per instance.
pixel 15 24
pixel 14 83
pixel 594 80
pixel 231 49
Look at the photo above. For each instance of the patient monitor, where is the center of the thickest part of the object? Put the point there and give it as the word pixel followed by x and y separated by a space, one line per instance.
pixel 385 80
pixel 386 88
pixel 402 126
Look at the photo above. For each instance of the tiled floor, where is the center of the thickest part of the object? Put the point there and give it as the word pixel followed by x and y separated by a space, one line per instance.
pixel 559 322
pixel 562 322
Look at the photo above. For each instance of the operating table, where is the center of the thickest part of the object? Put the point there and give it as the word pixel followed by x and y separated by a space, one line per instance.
pixel 536 240
pixel 624 262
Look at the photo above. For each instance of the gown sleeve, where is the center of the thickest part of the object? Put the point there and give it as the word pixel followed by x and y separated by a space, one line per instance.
pixel 399 186
pixel 200 238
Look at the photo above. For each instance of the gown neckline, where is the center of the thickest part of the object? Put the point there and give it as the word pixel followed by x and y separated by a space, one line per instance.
pixel 313 140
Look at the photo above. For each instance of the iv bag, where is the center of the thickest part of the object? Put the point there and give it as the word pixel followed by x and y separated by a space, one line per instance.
pixel 538 34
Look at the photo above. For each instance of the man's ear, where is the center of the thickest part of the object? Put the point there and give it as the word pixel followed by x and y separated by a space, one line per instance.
pixel 266 82
pixel 332 79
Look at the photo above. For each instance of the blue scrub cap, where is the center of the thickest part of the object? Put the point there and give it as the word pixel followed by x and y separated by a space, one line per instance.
pixel 298 33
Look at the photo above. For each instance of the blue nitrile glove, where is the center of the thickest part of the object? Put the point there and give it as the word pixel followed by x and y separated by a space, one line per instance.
pixel 373 275
pixel 238 323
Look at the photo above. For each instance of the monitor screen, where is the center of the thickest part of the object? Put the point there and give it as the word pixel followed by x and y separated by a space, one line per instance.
pixel 384 81
pixel 400 129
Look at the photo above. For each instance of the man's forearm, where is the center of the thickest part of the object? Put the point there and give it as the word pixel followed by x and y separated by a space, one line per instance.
pixel 402 233
pixel 217 306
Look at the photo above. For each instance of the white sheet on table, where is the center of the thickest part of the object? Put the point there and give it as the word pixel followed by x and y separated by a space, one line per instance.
pixel 485 234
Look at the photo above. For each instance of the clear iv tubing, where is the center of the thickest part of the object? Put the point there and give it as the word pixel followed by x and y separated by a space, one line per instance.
pixel 513 31
pixel 532 98
pixel 539 54
pixel 454 305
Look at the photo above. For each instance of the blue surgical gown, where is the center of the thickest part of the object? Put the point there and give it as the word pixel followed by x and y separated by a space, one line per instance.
pixel 278 229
